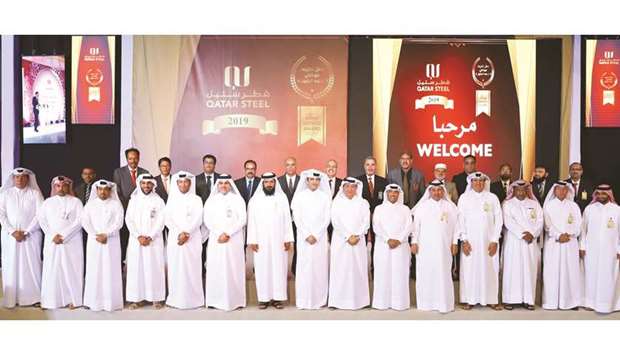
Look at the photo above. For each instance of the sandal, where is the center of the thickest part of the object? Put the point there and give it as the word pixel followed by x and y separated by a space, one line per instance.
pixel 530 307
pixel 278 305
pixel 467 306
pixel 263 305
pixel 158 305
pixel 508 307
pixel 496 307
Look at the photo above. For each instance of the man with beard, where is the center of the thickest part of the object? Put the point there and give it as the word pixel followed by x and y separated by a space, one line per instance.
pixel 600 250
pixel 540 184
pixel 501 186
pixel 270 237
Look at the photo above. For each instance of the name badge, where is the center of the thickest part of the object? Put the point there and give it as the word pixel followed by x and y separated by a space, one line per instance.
pixel 380 195
pixel 571 218
pixel 611 223
pixel 444 217
pixel 486 207
pixel 584 195
pixel 532 213
pixel 153 213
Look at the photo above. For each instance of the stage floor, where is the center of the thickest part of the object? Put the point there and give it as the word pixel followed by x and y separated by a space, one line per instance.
pixel 290 312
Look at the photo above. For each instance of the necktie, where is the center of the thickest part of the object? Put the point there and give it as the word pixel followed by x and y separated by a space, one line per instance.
pixel 208 185
pixel 371 186
pixel 290 184
pixel 87 194
pixel 505 187
pixel 133 177
pixel 249 188
pixel 165 178
pixel 541 188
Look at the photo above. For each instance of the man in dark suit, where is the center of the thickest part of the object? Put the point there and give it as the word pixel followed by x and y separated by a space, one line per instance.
pixel 35 111
pixel 372 191
pixel 288 182
pixel 408 178
pixel 290 179
pixel 500 187
pixel 469 166
pixel 204 184
pixel 206 180
pixel 540 183
pixel 125 180
pixel 82 190
pixel 164 178
pixel 583 187
pixel 334 182
pixel 248 184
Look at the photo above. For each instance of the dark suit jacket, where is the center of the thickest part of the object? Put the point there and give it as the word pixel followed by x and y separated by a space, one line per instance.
pixel 546 189
pixel 416 185
pixel 377 197
pixel 243 188
pixel 337 183
pixel 498 189
pixel 284 185
pixel 461 182
pixel 202 189
pixel 161 191
pixel 124 186
pixel 80 191
pixel 584 195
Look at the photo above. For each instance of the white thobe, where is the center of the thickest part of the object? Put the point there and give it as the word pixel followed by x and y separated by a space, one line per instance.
pixel 103 284
pixel 434 230
pixel 21 261
pixel 348 274
pixel 391 266
pixel 520 259
pixel 146 278
pixel 225 278
pixel 600 238
pixel 63 264
pixel 311 213
pixel 562 279
pixel 184 214
pixel 480 223
pixel 270 226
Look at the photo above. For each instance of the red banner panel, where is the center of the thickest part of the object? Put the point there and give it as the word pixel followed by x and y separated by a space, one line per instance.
pixel 93 80
pixel 603 69
pixel 454 99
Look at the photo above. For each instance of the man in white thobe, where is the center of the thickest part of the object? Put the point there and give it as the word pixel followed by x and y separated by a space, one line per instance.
pixel 225 218
pixel 311 207
pixel 102 219
pixel 63 253
pixel 146 277
pixel 270 237
pixel 348 274
pixel 480 226
pixel 435 242
pixel 600 249
pixel 183 217
pixel 523 219
pixel 20 199
pixel 392 224
pixel 562 279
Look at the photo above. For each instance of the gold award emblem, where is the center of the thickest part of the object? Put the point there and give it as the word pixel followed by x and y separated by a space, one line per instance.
pixel 486 207
pixel 533 213
pixel 483 73
pixel 570 218
pixel 610 223
pixel 94 77
pixel 312 78
pixel 609 81
pixel 444 217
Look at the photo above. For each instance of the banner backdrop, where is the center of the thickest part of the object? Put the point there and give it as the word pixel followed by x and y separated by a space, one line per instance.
pixel 449 100
pixel 602 93
pixel 92 89
pixel 263 98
